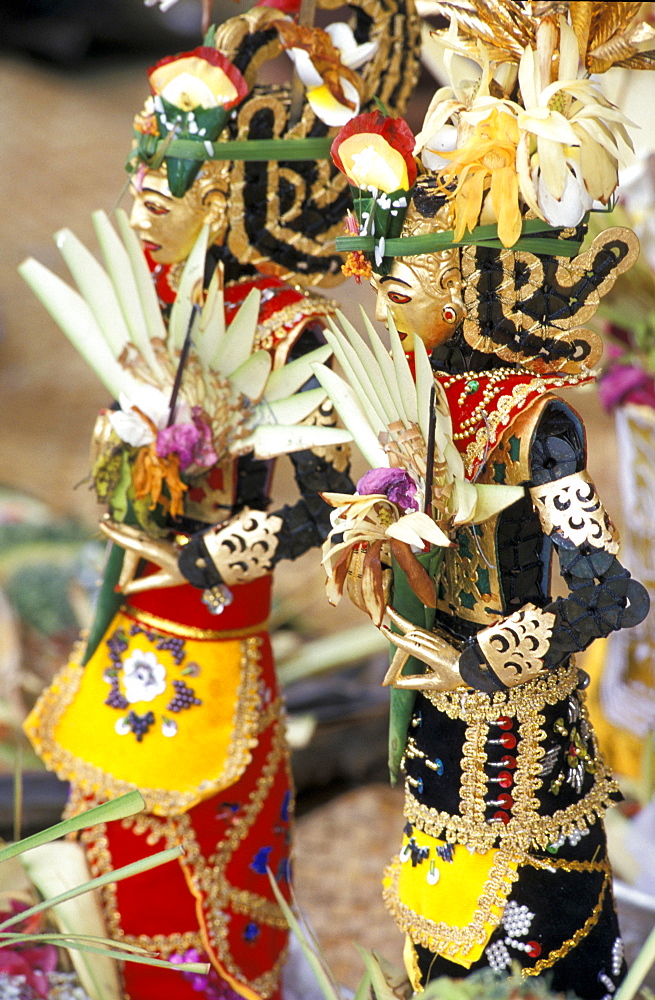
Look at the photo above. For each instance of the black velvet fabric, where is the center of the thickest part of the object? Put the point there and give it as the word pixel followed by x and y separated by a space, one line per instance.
pixel 570 912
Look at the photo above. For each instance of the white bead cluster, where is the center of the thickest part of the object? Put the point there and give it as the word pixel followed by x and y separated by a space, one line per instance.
pixel 517 919
pixel 618 951
pixel 498 956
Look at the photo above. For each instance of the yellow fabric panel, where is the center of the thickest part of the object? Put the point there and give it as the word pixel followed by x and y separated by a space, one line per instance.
pixel 454 899
pixel 208 735
pixel 621 749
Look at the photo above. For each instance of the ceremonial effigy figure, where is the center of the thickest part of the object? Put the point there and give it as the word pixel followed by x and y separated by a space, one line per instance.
pixel 504 857
pixel 174 689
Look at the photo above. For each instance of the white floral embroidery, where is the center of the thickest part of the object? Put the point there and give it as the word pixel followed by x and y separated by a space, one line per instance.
pixel 144 677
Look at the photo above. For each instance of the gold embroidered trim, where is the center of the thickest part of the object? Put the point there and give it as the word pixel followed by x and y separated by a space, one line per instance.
pixel 440 937
pixel 190 631
pixel 213 873
pixel 554 956
pixel 526 826
pixel 568 865
pixel 98 783
pixel 500 414
pixel 260 909
pixel 206 877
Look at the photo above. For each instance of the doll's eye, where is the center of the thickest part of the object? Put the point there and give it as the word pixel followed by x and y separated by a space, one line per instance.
pixel 155 208
pixel 399 298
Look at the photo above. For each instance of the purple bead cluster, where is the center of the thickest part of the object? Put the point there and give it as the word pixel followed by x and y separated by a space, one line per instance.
pixel 140 724
pixel 115 699
pixel 185 697
pixel 174 645
pixel 116 644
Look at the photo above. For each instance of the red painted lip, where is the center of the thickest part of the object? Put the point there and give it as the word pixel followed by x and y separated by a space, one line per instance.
pixel 152 247
pixel 403 336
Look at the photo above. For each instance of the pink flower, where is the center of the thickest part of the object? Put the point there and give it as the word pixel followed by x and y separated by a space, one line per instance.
pixel 397 485
pixel 211 985
pixel 626 384
pixel 33 963
pixel 191 442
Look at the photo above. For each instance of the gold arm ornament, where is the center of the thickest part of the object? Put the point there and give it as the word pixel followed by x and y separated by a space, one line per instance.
pixel 515 647
pixel 243 549
pixel 433 648
pixel 572 508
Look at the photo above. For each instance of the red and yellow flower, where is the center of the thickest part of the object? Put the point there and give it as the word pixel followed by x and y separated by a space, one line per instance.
pixel 202 78
pixel 376 152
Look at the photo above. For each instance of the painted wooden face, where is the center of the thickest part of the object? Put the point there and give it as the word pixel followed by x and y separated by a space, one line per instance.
pixel 167 226
pixel 424 296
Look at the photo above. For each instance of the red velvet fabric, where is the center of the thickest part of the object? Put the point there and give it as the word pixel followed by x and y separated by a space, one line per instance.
pixel 184 605
pixel 168 901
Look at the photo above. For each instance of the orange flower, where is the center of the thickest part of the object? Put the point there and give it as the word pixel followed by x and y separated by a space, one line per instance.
pixel 357 266
pixel 487 162
pixel 151 471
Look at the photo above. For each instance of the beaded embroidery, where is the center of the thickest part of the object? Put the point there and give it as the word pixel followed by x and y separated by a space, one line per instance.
pixel 526 827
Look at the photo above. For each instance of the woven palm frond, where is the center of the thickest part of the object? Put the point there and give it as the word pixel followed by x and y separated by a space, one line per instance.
pixel 608 33
pixel 115 321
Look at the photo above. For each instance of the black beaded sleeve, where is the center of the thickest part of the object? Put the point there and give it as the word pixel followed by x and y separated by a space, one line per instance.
pixel 602 595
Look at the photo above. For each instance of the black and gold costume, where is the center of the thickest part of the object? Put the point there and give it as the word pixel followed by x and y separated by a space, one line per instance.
pixel 504 857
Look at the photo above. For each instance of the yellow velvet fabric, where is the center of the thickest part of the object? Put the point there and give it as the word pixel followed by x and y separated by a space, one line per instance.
pixel 454 898
pixel 207 734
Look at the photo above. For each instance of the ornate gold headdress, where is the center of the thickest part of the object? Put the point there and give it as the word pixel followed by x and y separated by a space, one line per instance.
pixel 286 200
pixel 519 150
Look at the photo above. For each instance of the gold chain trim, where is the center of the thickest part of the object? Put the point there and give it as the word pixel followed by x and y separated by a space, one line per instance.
pixel 554 956
pixel 95 782
pixel 500 414
pixel 213 873
pixel 568 866
pixel 206 876
pixel 190 631
pixel 440 937
pixel 526 827
pixel 262 910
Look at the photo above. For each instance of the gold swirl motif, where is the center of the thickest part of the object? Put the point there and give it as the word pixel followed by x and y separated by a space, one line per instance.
pixel 390 75
pixel 515 647
pixel 514 296
pixel 572 508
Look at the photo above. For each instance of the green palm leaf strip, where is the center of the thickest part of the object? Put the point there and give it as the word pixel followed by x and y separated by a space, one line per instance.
pixel 120 808
pixel 117 951
pixel 531 240
pixel 253 150
pixel 317 962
